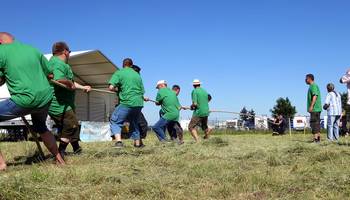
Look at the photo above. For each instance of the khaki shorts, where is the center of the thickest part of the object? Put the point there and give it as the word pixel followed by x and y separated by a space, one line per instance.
pixel 198 121
pixel 68 125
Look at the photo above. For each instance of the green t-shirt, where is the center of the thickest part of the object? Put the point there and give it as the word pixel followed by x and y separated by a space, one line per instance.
pixel 314 90
pixel 63 99
pixel 25 70
pixel 200 98
pixel 170 104
pixel 130 86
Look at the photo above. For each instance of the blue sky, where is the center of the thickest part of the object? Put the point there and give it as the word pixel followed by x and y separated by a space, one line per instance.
pixel 247 53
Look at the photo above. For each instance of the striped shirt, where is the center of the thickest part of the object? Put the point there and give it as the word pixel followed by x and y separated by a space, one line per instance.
pixel 333 99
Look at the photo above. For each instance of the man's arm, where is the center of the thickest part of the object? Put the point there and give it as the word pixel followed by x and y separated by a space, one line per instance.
pixel 113 82
pixel 86 88
pixel 345 79
pixel 313 102
pixel 45 65
pixel 59 75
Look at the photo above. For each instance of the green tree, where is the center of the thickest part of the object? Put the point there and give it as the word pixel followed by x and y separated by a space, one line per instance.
pixel 284 107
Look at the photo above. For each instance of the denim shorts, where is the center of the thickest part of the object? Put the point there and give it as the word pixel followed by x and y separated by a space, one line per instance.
pixel 9 110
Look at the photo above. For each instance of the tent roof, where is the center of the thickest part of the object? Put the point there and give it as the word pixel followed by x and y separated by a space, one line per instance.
pixel 90 67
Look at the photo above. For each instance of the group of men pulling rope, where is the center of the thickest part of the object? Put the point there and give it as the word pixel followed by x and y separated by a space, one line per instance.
pixel 39 88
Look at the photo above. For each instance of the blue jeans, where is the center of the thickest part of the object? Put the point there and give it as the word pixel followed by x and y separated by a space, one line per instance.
pixel 333 127
pixel 160 127
pixel 122 114
pixel 9 110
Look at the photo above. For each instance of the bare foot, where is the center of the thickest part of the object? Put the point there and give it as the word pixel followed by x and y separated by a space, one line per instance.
pixel 3 167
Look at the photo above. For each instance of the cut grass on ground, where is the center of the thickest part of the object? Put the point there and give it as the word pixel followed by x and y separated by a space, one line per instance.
pixel 243 166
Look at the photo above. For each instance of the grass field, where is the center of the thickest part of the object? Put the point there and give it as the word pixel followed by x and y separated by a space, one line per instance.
pixel 241 166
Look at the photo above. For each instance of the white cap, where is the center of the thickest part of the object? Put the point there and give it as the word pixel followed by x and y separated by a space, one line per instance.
pixel 196 82
pixel 160 82
pixel 348 72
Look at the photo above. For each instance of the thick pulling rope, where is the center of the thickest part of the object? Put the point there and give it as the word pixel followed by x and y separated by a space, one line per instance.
pixel 92 89
pixel 35 137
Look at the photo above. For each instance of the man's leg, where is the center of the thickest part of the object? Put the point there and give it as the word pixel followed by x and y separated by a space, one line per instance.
pixel 179 132
pixel 118 118
pixel 172 130
pixel 134 119
pixel 3 165
pixel 205 127
pixel 330 125
pixel 159 129
pixel 39 117
pixel 336 127
pixel 195 121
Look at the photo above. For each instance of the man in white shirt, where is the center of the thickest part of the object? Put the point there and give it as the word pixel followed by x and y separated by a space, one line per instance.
pixel 334 110
pixel 346 80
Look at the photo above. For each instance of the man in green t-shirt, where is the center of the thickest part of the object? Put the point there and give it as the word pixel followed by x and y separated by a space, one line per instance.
pixel 131 90
pixel 62 108
pixel 200 105
pixel 25 71
pixel 314 107
pixel 170 109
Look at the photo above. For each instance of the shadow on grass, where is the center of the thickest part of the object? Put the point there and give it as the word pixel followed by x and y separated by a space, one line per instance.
pixel 29 160
pixel 216 141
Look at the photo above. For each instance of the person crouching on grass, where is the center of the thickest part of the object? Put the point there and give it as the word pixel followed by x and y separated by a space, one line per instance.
pixel 131 90
pixel 170 112
pixel 200 107
pixel 62 108
pixel 25 71
pixel 314 107
pixel 333 106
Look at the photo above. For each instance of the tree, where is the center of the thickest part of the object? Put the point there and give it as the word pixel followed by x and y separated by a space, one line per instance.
pixel 244 114
pixel 284 107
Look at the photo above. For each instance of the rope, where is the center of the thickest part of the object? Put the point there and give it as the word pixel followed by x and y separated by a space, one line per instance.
pixel 92 89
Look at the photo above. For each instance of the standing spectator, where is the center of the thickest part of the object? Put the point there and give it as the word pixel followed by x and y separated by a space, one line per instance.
pixel 334 111
pixel 345 79
pixel 314 107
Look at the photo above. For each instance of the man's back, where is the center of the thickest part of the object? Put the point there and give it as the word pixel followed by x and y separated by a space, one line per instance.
pixel 130 86
pixel 335 105
pixel 25 69
pixel 170 104
pixel 200 97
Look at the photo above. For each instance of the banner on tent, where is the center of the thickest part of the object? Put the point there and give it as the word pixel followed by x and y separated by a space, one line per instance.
pixel 95 131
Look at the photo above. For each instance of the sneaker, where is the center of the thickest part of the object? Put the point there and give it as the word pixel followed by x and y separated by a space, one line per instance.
pixel 206 137
pixel 119 145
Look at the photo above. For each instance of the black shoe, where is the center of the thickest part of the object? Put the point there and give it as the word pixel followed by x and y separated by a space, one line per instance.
pixel 118 145
pixel 78 151
pixel 139 146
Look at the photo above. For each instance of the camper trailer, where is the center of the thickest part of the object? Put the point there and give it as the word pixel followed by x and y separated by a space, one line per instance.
pixel 90 68
pixel 300 123
pixel 261 123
